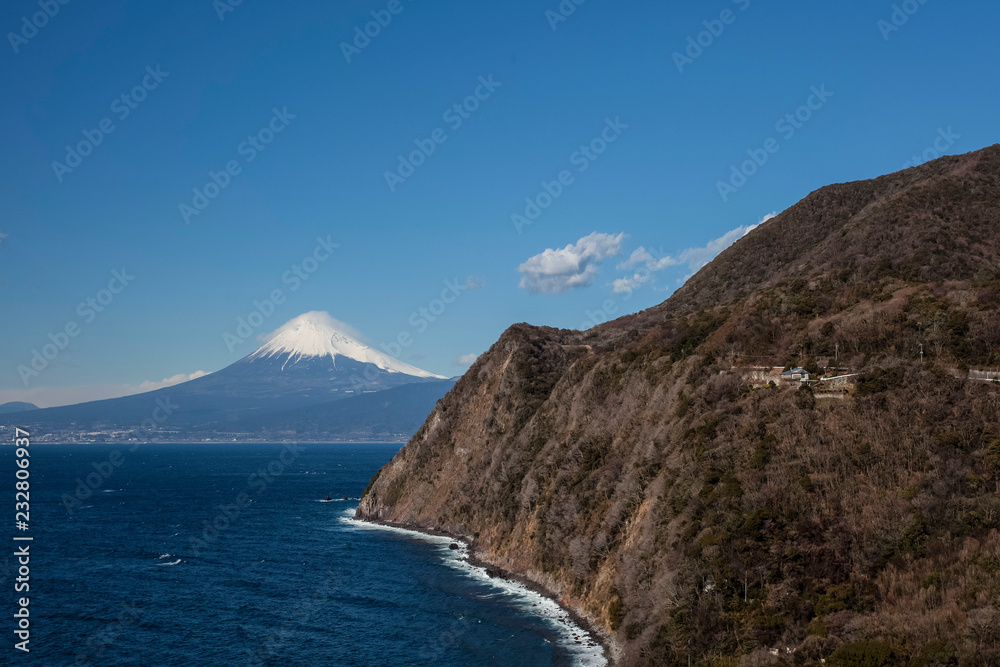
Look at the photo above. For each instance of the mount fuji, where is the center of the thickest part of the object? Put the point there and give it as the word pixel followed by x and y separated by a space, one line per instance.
pixel 310 359
pixel 314 336
pixel 297 376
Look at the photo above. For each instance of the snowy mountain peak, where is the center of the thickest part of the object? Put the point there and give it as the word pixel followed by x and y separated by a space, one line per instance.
pixel 316 334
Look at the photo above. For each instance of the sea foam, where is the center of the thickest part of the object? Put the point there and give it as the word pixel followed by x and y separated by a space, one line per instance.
pixel 583 649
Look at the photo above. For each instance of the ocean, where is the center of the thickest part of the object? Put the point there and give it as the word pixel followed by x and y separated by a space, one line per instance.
pixel 230 554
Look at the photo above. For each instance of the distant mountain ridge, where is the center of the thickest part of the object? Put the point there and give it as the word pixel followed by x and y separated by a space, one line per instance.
pixel 388 415
pixel 17 406
pixel 641 474
pixel 307 362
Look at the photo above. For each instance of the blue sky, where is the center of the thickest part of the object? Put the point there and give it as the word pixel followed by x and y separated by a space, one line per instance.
pixel 324 123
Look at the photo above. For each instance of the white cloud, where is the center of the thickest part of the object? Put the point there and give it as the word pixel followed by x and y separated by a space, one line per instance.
pixel 556 271
pixel 150 385
pixel 642 256
pixel 466 360
pixel 47 397
pixel 693 258
pixel 629 285
pixel 474 283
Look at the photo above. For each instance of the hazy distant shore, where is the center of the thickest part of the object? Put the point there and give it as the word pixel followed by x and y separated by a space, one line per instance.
pixel 55 439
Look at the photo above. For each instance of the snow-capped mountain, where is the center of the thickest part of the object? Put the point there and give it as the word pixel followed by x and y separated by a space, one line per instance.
pixel 312 358
pixel 308 361
pixel 316 334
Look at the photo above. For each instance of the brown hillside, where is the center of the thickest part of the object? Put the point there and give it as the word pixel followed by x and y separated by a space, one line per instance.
pixel 644 474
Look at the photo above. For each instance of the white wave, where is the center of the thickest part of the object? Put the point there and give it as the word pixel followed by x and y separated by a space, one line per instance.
pixel 173 563
pixel 583 648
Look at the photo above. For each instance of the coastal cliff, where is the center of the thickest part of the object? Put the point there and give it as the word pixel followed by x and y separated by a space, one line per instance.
pixel 658 475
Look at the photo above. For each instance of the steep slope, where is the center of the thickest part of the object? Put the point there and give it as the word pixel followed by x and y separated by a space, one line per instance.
pixel 647 475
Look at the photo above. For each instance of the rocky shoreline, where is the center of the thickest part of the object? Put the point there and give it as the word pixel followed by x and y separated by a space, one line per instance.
pixel 599 634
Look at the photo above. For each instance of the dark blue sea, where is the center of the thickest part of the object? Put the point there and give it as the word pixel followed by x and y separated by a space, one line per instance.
pixel 213 554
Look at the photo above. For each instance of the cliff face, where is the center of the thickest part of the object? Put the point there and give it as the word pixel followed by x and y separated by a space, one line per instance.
pixel 640 472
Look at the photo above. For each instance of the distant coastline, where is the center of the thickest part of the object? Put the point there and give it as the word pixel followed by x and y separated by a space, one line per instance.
pixel 62 438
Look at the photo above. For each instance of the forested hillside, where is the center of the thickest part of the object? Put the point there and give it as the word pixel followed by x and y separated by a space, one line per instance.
pixel 640 472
